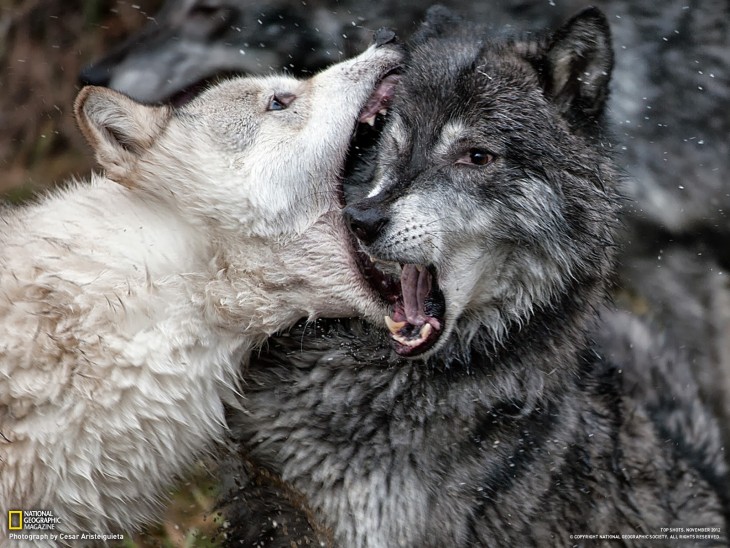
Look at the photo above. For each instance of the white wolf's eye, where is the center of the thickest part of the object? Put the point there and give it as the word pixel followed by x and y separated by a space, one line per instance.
pixel 280 101
pixel 476 157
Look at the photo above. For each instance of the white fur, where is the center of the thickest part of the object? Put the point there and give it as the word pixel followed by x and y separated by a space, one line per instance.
pixel 128 302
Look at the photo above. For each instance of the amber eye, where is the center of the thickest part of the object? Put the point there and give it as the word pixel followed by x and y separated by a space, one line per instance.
pixel 476 157
pixel 280 101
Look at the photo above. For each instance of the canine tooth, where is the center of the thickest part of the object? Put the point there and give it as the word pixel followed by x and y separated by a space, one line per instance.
pixel 425 331
pixel 370 121
pixel 383 111
pixel 393 326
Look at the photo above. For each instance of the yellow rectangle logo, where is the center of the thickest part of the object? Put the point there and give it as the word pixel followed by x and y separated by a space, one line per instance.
pixel 15 520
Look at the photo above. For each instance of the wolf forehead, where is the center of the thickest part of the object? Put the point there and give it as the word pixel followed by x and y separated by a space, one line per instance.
pixel 476 85
pixel 458 92
pixel 239 106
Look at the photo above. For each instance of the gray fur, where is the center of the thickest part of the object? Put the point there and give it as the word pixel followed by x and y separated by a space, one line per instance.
pixel 516 428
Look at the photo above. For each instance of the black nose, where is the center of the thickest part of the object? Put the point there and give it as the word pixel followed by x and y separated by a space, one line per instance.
pixel 384 36
pixel 365 222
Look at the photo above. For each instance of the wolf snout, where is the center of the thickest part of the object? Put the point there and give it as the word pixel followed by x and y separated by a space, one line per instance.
pixel 365 221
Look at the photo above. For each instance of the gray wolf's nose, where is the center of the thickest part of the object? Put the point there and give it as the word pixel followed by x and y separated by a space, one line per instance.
pixel 383 36
pixel 365 222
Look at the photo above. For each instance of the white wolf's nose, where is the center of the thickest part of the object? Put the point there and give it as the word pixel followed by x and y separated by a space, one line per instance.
pixel 383 36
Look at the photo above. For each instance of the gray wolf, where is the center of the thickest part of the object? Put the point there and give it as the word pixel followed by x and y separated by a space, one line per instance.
pixel 128 303
pixel 501 402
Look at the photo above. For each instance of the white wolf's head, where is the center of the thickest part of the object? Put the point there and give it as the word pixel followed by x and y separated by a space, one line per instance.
pixel 255 165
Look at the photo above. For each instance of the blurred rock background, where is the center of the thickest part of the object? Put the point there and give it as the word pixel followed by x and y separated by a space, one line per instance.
pixel 43 46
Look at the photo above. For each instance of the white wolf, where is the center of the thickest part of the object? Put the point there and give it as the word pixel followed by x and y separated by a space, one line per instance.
pixel 128 303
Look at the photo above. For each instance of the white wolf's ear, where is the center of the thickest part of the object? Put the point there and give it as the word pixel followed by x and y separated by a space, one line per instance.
pixel 579 60
pixel 118 128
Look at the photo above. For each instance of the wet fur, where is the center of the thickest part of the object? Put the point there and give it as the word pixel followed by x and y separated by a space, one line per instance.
pixel 128 303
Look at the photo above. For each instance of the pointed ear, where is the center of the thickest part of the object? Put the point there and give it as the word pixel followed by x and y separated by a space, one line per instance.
pixel 578 64
pixel 118 128
pixel 438 20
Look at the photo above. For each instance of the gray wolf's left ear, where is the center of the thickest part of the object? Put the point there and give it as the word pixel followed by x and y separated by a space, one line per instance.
pixel 118 128
pixel 578 64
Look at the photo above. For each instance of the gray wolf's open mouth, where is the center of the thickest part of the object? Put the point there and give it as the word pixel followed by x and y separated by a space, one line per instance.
pixel 419 306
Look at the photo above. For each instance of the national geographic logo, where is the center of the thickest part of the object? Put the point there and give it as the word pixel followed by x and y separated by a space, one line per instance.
pixel 32 520
pixel 41 526
pixel 15 520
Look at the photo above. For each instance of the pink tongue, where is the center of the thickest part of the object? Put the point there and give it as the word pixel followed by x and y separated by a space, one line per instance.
pixel 415 285
pixel 380 98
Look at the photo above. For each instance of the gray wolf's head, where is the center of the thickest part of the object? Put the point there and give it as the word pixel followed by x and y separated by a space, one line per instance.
pixel 493 193
pixel 255 164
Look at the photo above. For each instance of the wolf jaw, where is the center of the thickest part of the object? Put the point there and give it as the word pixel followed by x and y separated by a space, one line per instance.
pixel 412 289
pixel 369 125
pixel 419 306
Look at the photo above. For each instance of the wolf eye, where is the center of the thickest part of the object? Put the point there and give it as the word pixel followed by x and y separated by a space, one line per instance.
pixel 476 157
pixel 280 101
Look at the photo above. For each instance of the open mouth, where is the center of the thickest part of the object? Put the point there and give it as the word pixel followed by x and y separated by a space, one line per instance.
pixel 419 307
pixel 360 157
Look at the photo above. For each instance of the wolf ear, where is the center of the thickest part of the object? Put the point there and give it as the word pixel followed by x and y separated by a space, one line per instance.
pixel 438 20
pixel 118 128
pixel 578 64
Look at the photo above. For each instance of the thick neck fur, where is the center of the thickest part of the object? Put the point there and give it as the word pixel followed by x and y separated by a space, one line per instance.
pixel 137 240
pixel 127 325
pixel 510 445
pixel 261 285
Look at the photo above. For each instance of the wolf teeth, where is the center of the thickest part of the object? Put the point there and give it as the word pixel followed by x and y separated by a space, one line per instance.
pixel 406 342
pixel 394 326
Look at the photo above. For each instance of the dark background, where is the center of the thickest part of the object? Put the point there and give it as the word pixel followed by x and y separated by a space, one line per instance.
pixel 43 46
